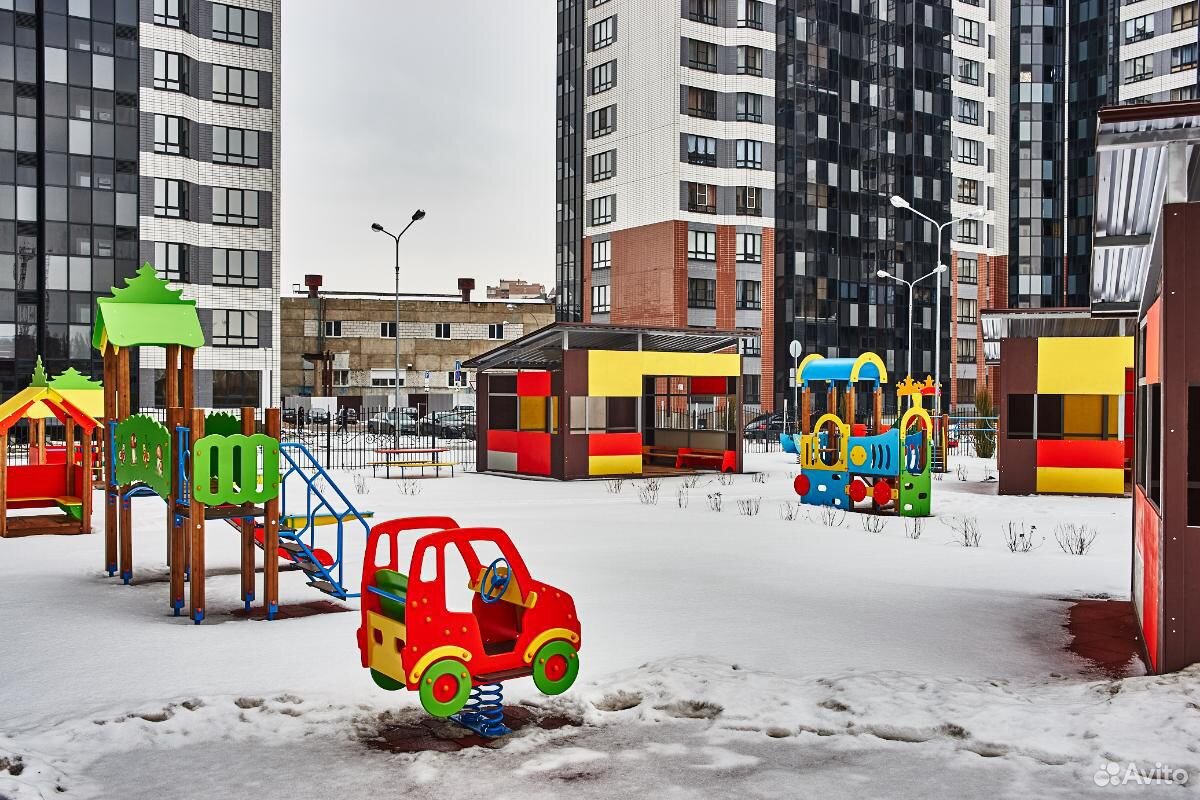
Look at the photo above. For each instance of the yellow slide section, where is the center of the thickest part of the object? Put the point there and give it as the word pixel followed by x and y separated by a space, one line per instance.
pixel 296 521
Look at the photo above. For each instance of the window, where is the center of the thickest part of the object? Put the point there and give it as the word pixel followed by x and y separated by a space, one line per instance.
pixel 966 390
pixel 749 60
pixel 752 389
pixel 333 328
pixel 701 150
pixel 966 349
pixel 1183 57
pixel 701 103
pixel 1138 69
pixel 233 24
pixel 702 293
pixel 702 55
pixel 968 231
pixel 235 146
pixel 495 330
pixel 170 71
pixel 968 111
pixel 170 13
pixel 968 269
pixel 604 33
pixel 966 151
pixel 749 247
pixel 341 377
pixel 751 346
pixel 704 11
pixel 1183 17
pixel 1183 93
pixel 748 154
pixel 385 378
pixel 749 295
pixel 968 31
pixel 702 198
pixel 604 209
pixel 604 121
pixel 170 261
pixel 604 165
pixel 967 191
pixel 969 71
pixel 387 330
pixel 234 207
pixel 452 380
pixel 235 267
pixel 749 107
pixel 1139 28
pixel 967 311
pixel 170 135
pixel 702 245
pixel 235 328
pixel 749 201
pixel 170 198
pixel 236 388
pixel 750 14
pixel 602 254
pixel 441 330
pixel 600 299
pixel 1020 416
pixel 604 77
pixel 234 85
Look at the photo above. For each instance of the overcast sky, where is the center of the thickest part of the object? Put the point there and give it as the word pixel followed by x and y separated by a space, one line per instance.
pixel 393 106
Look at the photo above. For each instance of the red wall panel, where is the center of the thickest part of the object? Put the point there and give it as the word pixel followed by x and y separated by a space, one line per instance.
pixel 1146 531
pixel 533 384
pixel 1075 454
pixel 614 444
pixel 533 453
pixel 710 385
pixel 502 441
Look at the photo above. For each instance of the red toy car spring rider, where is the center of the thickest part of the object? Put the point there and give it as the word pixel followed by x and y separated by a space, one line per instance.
pixel 456 661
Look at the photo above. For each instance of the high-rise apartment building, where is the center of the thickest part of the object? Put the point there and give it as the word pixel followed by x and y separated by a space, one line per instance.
pixel 140 131
pixel 666 157
pixel 1159 40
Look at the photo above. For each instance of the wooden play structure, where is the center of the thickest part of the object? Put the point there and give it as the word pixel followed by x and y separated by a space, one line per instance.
pixel 841 377
pixel 55 478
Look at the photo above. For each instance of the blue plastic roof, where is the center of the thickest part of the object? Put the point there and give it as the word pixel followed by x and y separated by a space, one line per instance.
pixel 838 369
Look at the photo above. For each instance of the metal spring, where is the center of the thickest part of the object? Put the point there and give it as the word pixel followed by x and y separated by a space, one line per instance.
pixel 485 709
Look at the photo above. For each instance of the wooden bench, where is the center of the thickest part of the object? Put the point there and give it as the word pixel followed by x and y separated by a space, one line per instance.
pixel 721 460
pixel 72 506
pixel 650 453
pixel 437 467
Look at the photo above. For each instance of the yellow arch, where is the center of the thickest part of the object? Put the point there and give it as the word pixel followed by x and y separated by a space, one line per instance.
pixel 915 411
pixel 805 362
pixel 810 455
pixel 545 636
pixel 445 651
pixel 863 360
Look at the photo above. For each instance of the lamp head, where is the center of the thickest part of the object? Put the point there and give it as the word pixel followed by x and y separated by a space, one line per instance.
pixel 418 215
pixel 941 268
pixel 899 202
pixel 883 273
pixel 375 226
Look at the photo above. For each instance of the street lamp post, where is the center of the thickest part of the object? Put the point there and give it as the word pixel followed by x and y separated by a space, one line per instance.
pixel 417 216
pixel 883 273
pixel 899 202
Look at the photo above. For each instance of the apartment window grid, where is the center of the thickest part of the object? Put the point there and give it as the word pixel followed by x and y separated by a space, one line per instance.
pixel 235 146
pixel 1138 69
pixel 1183 17
pixel 968 269
pixel 604 166
pixel 1183 58
pixel 604 77
pixel 968 111
pixel 702 55
pixel 969 71
pixel 749 248
pixel 604 209
pixel 170 261
pixel 702 11
pixel 170 71
pixel 750 346
pixel 968 231
pixel 604 33
pixel 966 151
pixel 701 103
pixel 171 13
pixel 341 378
pixel 235 328
pixel 495 330
pixel 604 121
pixel 235 24
pixel 966 391
pixel 969 31
pixel 1183 93
pixel 750 14
pixel 385 379
pixel 749 201
pixel 749 295
pixel 967 191
pixel 701 150
pixel 170 135
pixel 333 329
pixel 441 330
pixel 968 311
pixel 601 299
pixel 235 268
pixel 966 350
pixel 387 330
pixel 748 154
pixel 456 380
pixel 749 107
pixel 749 60
pixel 237 207
pixel 702 245
pixel 1139 28
pixel 170 198
pixel 235 86
pixel 602 254
pixel 702 198
pixel 702 293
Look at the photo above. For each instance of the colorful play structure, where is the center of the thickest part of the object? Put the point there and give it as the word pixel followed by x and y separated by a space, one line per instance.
pixel 55 477
pixel 578 400
pixel 205 466
pixel 457 660
pixel 842 465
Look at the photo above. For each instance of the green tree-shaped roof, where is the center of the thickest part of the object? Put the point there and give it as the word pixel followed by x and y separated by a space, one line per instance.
pixel 146 312
pixel 74 380
pixel 39 375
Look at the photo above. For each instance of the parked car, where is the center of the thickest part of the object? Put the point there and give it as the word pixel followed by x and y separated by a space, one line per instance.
pixel 386 423
pixel 765 426
pixel 449 425
pixel 347 416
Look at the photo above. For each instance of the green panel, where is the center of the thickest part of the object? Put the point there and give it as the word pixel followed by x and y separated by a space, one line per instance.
pixel 146 312
pixel 225 458
pixel 220 423
pixel 72 380
pixel 143 448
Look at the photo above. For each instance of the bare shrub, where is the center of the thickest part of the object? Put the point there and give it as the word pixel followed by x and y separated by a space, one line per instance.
pixel 832 517
pixel 714 501
pixel 725 478
pixel 1019 540
pixel 681 496
pixel 690 482
pixel 789 512
pixel 966 529
pixel 615 486
pixel 652 483
pixel 989 474
pixel 914 527
pixel 960 471
pixel 760 477
pixel 937 474
pixel 873 523
pixel 749 506
pixel 409 487
pixel 360 484
pixel 319 485
pixel 648 493
pixel 1074 538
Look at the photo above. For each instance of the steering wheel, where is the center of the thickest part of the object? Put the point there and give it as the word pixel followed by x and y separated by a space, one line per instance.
pixel 499 583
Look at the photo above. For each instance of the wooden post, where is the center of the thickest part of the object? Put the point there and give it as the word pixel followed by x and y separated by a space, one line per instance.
pixel 187 402
pixel 831 399
pixel 170 401
pixel 3 484
pixel 125 525
pixel 175 521
pixel 110 462
pixel 85 491
pixel 851 390
pixel 69 457
pixel 805 411
pixel 248 523
pixel 877 411
pixel 196 523
pixel 271 532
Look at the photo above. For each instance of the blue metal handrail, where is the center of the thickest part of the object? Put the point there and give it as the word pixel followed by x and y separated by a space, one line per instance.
pixel 386 594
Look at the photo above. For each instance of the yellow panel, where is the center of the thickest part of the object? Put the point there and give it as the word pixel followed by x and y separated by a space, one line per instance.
pixel 616 373
pixel 1067 480
pixel 1114 415
pixel 1081 414
pixel 533 413
pixel 1094 365
pixel 693 365
pixel 615 465
pixel 385 657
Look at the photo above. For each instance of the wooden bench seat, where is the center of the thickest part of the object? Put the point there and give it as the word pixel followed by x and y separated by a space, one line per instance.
pixel 436 466
pixel 72 506
pixel 722 460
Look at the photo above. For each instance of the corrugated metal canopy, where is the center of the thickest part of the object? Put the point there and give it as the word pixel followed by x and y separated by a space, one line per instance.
pixel 1037 322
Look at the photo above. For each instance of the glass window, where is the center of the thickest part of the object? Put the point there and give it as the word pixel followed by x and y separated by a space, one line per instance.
pixel 234 207
pixel 702 293
pixel 968 111
pixel 235 86
pixel 968 31
pixel 170 13
pixel 170 261
pixel 749 107
pixel 701 103
pixel 604 165
pixel 1183 57
pixel 1020 416
pixel 702 55
pixel 750 14
pixel 701 150
pixel 234 328
pixel 441 330
pixel 968 269
pixel 604 121
pixel 749 60
pixel 1139 28
pixel 601 301
pixel 604 209
pixel 495 330
pixel 1183 16
pixel 170 198
pixel 170 71
pixel 604 33
pixel 235 146
pixel 234 24
pixel 749 295
pixel 968 311
pixel 749 154
pixel 333 328
pixel 966 151
pixel 702 245
pixel 236 268
pixel 966 349
pixel 969 71
pixel 967 191
pixel 236 388
pixel 170 135
pixel 702 198
pixel 749 201
pixel 601 254
pixel 604 77
pixel 55 65
pixel 749 247
pixel 1138 69
pixel 704 11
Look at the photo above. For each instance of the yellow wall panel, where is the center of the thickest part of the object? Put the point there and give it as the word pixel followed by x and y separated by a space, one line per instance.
pixel 702 365
pixel 1083 365
pixel 1082 414
pixel 533 413
pixel 1065 480
pixel 618 373
pixel 615 465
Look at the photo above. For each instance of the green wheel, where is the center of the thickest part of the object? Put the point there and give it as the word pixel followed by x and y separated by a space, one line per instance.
pixel 385 682
pixel 445 687
pixel 555 667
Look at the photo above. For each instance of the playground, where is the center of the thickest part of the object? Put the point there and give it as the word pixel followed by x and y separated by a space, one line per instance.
pixel 811 656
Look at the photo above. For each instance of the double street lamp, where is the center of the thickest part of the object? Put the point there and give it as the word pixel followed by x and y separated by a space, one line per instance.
pixel 899 202
pixel 417 216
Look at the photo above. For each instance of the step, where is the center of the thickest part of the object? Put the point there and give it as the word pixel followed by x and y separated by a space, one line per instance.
pixel 308 566
pixel 325 586
pixel 292 547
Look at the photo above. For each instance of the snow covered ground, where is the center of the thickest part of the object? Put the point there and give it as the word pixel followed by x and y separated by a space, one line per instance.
pixel 723 655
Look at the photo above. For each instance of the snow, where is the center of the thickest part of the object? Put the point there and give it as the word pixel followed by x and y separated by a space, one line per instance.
pixel 722 655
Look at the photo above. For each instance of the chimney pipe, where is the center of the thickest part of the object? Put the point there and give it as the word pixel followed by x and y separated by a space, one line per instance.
pixel 313 282
pixel 466 285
